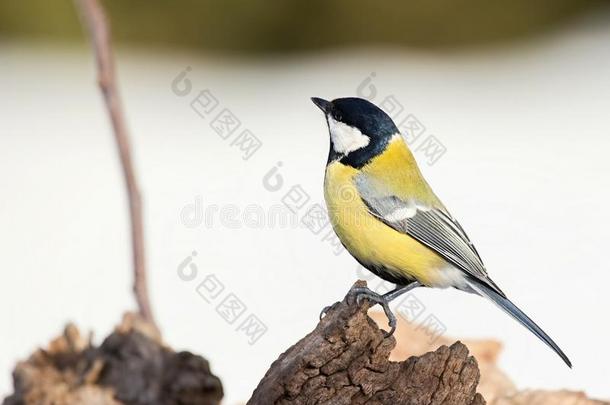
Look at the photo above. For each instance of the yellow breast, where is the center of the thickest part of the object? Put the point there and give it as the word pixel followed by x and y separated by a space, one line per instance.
pixel 369 240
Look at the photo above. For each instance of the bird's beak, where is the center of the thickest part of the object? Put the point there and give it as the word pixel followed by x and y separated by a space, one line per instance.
pixel 322 104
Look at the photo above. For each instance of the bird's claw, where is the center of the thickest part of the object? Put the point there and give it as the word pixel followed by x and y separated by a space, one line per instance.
pixel 328 308
pixel 391 321
pixel 363 292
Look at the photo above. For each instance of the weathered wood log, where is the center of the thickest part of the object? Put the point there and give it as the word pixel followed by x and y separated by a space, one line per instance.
pixel 345 360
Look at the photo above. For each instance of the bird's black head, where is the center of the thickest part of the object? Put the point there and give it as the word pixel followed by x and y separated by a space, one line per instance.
pixel 359 130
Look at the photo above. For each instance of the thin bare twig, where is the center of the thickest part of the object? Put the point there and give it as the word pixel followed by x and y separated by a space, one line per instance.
pixel 94 19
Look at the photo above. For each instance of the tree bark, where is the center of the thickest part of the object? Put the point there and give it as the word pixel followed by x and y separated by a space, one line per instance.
pixel 345 360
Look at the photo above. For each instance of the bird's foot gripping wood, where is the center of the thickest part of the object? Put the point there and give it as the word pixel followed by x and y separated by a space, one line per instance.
pixel 358 294
pixel 361 293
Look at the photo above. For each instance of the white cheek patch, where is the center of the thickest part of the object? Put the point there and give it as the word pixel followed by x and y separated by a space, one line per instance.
pixel 346 139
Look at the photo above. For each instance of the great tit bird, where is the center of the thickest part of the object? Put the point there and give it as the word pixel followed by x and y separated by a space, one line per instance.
pixel 388 218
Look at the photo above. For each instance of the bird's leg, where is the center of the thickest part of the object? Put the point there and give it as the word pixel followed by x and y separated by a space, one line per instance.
pixel 384 300
pixel 398 291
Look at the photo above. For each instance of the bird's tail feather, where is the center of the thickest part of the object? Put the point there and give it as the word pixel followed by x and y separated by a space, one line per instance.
pixel 507 306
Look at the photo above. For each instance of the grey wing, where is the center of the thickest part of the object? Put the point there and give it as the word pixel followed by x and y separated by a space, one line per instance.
pixel 431 226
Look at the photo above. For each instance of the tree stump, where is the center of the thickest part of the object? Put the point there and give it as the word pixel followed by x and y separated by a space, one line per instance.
pixel 132 366
pixel 345 360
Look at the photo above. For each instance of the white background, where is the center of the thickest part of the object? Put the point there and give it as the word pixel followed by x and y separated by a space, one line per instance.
pixel 526 172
